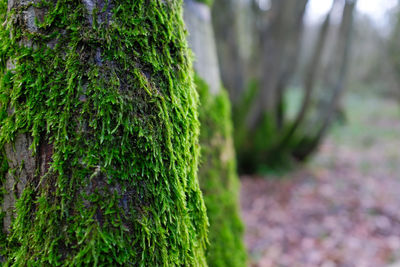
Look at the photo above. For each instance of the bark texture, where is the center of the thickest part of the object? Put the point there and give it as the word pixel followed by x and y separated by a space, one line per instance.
pixel 98 135
pixel 218 178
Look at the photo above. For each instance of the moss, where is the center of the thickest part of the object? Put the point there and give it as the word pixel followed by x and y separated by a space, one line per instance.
pixel 218 179
pixel 260 150
pixel 263 149
pixel 114 102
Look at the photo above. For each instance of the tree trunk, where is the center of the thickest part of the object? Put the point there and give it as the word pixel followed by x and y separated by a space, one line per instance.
pixel 98 135
pixel 335 81
pixel 218 178
pixel 309 80
pixel 226 21
pixel 279 49
pixel 260 129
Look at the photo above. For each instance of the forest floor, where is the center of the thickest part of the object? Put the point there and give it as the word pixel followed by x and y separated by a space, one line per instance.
pixel 342 208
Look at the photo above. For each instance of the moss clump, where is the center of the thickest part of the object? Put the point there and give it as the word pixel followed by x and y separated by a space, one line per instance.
pixel 218 179
pixel 111 99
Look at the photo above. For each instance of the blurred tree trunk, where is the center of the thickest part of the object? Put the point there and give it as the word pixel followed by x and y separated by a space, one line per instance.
pixel 310 78
pixel 279 54
pixel 260 120
pixel 227 16
pixel 98 135
pixel 218 178
pixel 334 80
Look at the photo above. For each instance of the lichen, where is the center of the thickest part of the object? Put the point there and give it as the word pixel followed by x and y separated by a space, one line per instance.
pixel 112 102
pixel 218 179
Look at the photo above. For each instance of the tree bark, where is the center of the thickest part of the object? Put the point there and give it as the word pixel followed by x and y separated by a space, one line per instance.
pixel 197 17
pixel 98 135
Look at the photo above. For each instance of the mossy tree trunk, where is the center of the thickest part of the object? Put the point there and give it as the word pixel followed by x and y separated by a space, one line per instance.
pixel 98 135
pixel 218 178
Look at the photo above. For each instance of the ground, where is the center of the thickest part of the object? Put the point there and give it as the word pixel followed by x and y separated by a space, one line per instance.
pixel 341 208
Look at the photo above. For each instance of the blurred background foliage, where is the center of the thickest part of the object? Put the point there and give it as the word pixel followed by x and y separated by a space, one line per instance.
pixel 314 88
pixel 288 64
pixel 314 82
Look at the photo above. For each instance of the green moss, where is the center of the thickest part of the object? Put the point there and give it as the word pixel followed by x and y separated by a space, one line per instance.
pixel 261 149
pixel 218 179
pixel 115 104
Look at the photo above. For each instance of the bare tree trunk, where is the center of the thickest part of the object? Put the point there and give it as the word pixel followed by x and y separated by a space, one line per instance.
pixel 279 58
pixel 217 173
pixel 292 52
pixel 201 41
pixel 225 14
pixel 310 78
pixel 98 135
pixel 339 66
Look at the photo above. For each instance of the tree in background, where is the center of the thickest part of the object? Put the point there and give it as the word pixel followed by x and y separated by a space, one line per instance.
pixel 280 35
pixel 98 135
pixel 265 137
pixel 229 28
pixel 218 178
pixel 274 47
pixel 334 81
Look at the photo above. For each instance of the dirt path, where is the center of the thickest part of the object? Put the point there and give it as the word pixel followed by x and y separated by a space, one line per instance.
pixel 342 209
